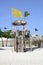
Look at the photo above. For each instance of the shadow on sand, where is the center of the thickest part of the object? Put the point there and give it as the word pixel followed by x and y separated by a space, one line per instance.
pixel 29 49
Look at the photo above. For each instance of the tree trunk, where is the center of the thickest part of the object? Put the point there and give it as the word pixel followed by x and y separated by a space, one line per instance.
pixel 6 42
pixel 2 43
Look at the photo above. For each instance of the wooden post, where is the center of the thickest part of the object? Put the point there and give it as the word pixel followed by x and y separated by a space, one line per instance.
pixel 14 38
pixel 23 34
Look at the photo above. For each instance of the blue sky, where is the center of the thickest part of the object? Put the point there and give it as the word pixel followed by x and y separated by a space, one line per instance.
pixel 34 7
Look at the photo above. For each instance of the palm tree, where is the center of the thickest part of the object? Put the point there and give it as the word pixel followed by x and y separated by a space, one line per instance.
pixel 7 35
pixel 5 28
pixel 1 35
pixel 26 13
pixel 36 31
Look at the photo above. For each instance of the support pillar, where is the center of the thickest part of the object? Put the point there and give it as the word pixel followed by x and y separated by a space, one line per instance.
pixel 23 34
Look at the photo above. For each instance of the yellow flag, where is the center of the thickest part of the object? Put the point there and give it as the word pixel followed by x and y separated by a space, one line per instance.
pixel 16 13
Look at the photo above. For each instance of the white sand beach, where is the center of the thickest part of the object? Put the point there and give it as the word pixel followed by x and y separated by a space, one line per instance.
pixel 9 57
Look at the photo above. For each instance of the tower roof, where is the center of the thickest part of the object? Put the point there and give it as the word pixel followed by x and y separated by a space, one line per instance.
pixel 19 22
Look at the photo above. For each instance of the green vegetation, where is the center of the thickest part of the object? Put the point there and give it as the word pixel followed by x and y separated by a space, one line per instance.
pixel 26 13
pixel 34 42
pixel 6 34
pixel 36 29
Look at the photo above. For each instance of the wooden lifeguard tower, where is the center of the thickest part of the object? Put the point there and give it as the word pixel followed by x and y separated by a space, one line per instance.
pixel 19 45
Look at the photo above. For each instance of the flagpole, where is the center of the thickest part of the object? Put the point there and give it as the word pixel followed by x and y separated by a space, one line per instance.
pixel 11 18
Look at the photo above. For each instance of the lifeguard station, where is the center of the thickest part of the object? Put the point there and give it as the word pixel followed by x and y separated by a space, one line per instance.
pixel 20 41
